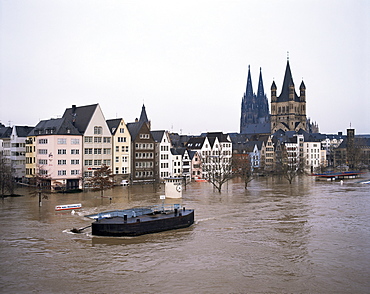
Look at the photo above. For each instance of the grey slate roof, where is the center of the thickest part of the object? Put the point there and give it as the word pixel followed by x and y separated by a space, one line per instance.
pixel 58 126
pixel 23 131
pixel 5 132
pixel 288 81
pixel 195 143
pixel 113 124
pixel 157 135
pixel 80 116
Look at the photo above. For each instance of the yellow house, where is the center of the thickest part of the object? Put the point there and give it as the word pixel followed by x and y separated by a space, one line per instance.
pixel 121 149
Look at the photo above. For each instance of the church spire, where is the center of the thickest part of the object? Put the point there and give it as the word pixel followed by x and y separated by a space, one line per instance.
pixel 249 90
pixel 260 91
pixel 287 84
pixel 143 116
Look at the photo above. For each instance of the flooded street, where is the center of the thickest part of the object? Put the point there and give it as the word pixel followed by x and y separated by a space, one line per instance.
pixel 308 237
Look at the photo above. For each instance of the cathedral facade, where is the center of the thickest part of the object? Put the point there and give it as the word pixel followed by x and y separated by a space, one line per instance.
pixel 288 110
pixel 255 116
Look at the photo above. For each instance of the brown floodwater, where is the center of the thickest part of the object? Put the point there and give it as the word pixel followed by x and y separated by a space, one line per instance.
pixel 307 237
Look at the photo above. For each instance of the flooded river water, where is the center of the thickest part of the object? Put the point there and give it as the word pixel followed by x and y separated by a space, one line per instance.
pixel 307 237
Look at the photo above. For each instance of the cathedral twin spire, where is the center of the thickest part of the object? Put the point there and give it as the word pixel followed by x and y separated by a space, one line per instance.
pixel 254 109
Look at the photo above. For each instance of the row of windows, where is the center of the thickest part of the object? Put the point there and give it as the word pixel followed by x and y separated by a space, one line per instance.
pixel 97 139
pixel 124 170
pixel 143 155
pixel 124 159
pixel 60 151
pixel 144 145
pixel 97 162
pixel 121 140
pixel 164 148
pixel 123 148
pixel 61 141
pixel 97 150
pixel 144 164
pixel 64 172
pixel 143 174
pixel 64 151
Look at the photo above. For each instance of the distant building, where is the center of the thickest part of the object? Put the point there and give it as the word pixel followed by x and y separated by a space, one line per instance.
pixel 255 116
pixel 121 149
pixel 13 148
pixel 288 110
pixel 54 151
pixel 143 150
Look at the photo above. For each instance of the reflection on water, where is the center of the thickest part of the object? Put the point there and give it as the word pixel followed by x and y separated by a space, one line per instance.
pixel 308 237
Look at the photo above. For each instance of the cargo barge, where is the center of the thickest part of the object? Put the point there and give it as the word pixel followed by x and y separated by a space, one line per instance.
pixel 140 221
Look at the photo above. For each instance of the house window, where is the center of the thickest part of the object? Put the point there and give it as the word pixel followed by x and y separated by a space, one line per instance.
pixel 88 162
pixel 62 151
pixel 97 139
pixel 62 141
pixel 43 141
pixel 42 151
pixel 75 151
pixel 121 130
pixel 75 141
pixel 62 172
pixel 88 139
pixel 98 130
pixel 62 162
pixel 144 136
pixel 97 162
pixel 106 139
pixel 88 150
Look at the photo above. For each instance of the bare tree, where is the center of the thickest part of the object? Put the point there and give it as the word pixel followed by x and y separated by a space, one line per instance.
pixel 288 166
pixel 242 168
pixel 101 180
pixel 217 169
pixel 41 181
pixel 6 176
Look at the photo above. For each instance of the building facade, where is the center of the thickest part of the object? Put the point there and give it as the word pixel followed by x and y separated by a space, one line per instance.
pixel 121 149
pixel 288 110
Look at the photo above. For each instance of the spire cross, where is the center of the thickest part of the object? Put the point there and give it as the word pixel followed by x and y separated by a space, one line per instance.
pixel 287 53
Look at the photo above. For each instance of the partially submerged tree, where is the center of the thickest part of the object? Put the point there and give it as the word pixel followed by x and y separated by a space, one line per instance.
pixel 6 176
pixel 41 181
pixel 242 168
pixel 217 170
pixel 101 180
pixel 289 166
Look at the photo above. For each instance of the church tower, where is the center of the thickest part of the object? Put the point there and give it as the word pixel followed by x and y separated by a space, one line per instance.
pixel 254 108
pixel 288 111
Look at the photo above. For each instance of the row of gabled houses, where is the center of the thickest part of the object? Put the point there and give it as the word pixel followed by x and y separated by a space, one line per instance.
pixel 67 150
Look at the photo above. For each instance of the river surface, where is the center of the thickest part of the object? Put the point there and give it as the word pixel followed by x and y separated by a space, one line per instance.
pixel 307 237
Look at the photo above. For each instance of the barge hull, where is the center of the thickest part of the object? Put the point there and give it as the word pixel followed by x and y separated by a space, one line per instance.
pixel 118 226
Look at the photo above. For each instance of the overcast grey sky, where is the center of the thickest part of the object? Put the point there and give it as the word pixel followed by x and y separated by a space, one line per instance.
pixel 187 61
